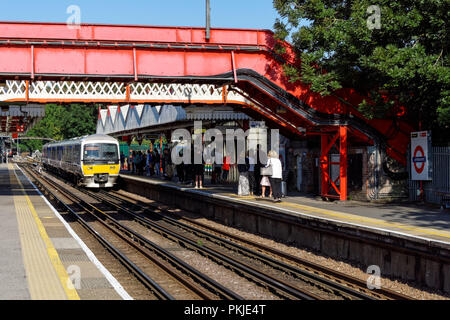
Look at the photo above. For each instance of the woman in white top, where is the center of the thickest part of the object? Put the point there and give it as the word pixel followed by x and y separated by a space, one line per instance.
pixel 277 171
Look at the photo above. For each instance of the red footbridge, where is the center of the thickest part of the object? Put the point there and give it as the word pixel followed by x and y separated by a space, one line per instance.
pixel 232 59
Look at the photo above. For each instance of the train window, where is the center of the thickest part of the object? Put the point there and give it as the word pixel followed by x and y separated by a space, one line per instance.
pixel 101 151
pixel 70 154
pixel 91 152
pixel 77 153
pixel 109 151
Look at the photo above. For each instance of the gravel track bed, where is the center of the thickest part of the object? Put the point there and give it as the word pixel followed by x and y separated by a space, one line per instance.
pixel 126 279
pixel 138 291
pixel 228 278
pixel 344 267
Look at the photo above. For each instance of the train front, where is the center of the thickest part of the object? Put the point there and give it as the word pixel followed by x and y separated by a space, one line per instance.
pixel 100 163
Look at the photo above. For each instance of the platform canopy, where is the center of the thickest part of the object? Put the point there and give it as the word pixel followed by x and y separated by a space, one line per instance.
pixel 18 119
pixel 129 119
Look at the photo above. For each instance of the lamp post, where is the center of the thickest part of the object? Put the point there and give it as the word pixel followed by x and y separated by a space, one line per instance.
pixel 208 20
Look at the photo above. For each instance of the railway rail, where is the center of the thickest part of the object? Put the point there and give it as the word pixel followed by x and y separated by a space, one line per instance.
pixel 286 276
pixel 191 283
pixel 340 284
pixel 166 212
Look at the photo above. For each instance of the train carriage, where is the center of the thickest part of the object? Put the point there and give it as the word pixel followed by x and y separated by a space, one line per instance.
pixel 91 161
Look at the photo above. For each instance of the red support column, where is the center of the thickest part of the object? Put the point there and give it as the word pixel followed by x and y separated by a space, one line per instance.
pixel 343 162
pixel 324 165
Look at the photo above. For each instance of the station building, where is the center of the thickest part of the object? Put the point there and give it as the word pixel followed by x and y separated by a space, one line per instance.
pixel 372 174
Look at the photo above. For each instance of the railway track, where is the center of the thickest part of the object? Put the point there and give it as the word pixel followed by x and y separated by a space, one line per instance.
pixel 281 289
pixel 284 262
pixel 286 276
pixel 171 277
pixel 155 208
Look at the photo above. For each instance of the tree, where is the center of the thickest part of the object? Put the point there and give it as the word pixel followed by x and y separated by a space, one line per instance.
pixel 62 122
pixel 79 120
pixel 393 52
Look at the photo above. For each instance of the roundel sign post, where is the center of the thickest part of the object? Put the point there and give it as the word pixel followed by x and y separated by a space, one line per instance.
pixel 420 155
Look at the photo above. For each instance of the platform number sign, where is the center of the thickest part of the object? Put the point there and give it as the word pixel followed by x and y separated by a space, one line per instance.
pixel 421 155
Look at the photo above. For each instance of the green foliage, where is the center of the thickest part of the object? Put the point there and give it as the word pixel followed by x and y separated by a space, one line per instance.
pixel 62 122
pixel 407 57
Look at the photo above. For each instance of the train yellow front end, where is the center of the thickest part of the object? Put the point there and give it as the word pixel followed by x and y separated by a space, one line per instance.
pixel 100 175
pixel 91 161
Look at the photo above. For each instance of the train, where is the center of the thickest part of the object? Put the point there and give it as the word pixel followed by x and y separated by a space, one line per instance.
pixel 91 161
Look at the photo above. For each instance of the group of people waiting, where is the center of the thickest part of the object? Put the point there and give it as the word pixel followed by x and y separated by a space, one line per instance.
pixel 150 162
pixel 253 175
pixel 255 178
pixel 153 164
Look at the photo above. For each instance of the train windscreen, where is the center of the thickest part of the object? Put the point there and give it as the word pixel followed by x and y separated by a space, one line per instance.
pixel 100 151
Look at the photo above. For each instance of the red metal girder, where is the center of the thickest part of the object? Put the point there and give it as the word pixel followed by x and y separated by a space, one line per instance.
pixel 332 183
pixel 327 143
pixel 343 162
pixel 133 33
pixel 324 177
pixel 53 51
pixel 330 144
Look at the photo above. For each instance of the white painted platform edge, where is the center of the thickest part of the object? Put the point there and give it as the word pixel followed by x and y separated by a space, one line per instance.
pixel 111 279
pixel 300 213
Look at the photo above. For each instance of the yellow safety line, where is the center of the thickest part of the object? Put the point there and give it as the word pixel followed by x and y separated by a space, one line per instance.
pixel 348 216
pixel 367 220
pixel 344 215
pixel 71 293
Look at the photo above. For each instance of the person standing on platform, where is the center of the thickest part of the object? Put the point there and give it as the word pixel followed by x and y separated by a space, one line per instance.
pixel 265 183
pixel 122 160
pixel 148 162
pixel 132 161
pixel 251 175
pixel 164 162
pixel 138 162
pixel 277 174
pixel 217 167
pixel 243 186
pixel 180 168
pixel 168 172
pixel 198 173
pixel 257 173
pixel 225 168
pixel 157 163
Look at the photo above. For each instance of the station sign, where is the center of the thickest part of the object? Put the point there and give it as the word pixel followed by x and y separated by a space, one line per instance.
pixel 257 124
pixel 421 165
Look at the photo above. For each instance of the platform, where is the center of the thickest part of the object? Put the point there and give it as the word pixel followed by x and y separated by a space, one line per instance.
pixel 41 256
pixel 406 219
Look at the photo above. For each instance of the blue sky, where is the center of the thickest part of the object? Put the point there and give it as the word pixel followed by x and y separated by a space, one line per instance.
pixel 258 14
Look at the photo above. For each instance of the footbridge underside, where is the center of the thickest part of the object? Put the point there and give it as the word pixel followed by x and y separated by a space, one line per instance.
pixel 48 62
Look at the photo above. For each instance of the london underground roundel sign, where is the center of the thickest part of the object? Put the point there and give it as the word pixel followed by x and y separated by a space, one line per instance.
pixel 420 155
pixel 419 159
